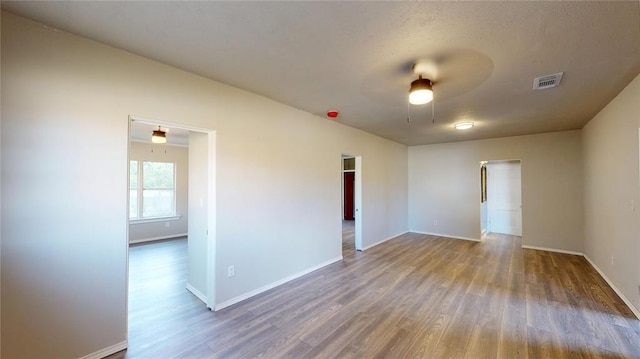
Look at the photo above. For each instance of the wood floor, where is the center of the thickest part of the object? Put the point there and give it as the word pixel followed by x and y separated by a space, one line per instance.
pixel 415 296
pixel 348 237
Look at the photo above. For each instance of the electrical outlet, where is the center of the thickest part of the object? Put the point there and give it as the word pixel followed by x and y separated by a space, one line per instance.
pixel 435 222
pixel 231 271
pixel 167 224
pixel 611 260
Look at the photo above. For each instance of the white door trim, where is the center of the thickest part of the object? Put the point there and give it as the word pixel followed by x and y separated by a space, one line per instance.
pixel 358 203
pixel 211 235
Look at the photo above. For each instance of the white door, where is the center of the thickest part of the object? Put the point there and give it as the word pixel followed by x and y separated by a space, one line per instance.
pixel 504 199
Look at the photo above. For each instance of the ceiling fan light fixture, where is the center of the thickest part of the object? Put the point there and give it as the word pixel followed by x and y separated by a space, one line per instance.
pixel 463 125
pixel 159 136
pixel 420 91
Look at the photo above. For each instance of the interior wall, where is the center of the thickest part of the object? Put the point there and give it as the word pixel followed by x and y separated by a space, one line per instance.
pixel 444 186
pixel 64 190
pixel 611 181
pixel 64 195
pixel 278 197
pixel 197 243
pixel 139 232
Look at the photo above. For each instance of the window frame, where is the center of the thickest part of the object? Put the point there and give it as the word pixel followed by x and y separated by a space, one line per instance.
pixel 139 195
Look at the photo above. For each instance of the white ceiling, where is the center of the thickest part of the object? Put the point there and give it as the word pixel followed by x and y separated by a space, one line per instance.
pixel 356 57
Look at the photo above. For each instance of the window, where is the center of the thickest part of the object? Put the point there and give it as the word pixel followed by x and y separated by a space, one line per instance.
pixel 152 190
pixel 133 189
pixel 349 164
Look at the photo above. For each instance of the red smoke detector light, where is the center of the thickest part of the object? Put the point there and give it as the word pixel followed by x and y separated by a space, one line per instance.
pixel 332 114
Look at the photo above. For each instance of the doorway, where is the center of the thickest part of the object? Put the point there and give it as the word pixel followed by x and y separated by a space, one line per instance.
pixel 501 197
pixel 195 251
pixel 348 186
pixel 351 193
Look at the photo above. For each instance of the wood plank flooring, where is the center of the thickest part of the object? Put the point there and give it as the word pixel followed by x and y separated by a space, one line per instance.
pixel 348 237
pixel 415 296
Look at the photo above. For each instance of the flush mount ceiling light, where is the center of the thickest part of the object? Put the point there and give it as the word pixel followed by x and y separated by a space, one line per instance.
pixel 420 91
pixel 159 136
pixel 463 125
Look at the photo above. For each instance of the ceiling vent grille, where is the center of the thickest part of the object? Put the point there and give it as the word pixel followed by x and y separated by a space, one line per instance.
pixel 546 82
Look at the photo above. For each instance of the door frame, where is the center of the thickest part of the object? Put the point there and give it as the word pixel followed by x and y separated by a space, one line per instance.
pixel 357 200
pixel 488 162
pixel 211 233
pixel 357 203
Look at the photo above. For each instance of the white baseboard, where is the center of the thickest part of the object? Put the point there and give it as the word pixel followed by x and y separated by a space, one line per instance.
pixel 447 236
pixel 265 288
pixel 483 233
pixel 151 239
pixel 107 351
pixel 384 240
pixel 552 250
pixel 197 293
pixel 626 300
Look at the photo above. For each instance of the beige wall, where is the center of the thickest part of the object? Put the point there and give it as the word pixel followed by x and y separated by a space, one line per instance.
pixel 279 192
pixel 612 203
pixel 64 195
pixel 444 185
pixel 164 153
pixel 197 245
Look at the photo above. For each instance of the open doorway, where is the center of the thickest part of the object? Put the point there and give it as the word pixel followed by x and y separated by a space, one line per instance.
pixel 348 204
pixel 351 203
pixel 171 185
pixel 501 197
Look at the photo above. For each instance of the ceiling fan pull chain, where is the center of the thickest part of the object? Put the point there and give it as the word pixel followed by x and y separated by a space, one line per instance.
pixel 433 110
pixel 408 119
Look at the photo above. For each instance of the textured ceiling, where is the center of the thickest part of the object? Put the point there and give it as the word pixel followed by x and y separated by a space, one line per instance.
pixel 357 56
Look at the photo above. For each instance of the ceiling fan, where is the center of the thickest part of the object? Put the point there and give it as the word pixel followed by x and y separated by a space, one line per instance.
pixel 421 90
pixel 456 71
pixel 445 73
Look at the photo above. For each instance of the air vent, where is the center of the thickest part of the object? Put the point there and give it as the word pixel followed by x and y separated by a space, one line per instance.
pixel 546 82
